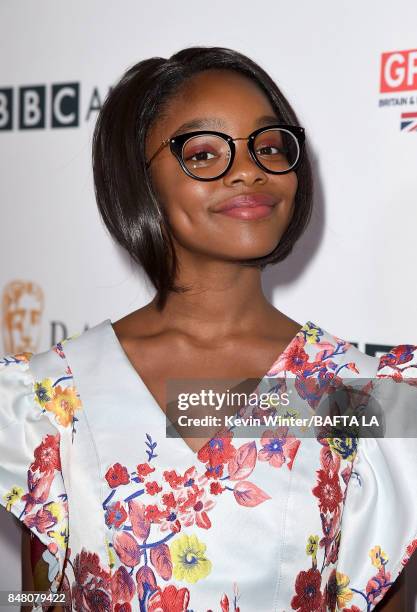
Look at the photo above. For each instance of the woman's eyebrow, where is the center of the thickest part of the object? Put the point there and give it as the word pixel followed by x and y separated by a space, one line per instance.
pixel 216 123
pixel 201 124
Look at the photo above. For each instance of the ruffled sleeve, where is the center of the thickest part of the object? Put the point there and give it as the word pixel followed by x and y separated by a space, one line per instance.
pixel 31 482
pixel 379 522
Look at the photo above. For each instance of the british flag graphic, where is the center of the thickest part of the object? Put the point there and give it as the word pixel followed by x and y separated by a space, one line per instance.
pixel 409 122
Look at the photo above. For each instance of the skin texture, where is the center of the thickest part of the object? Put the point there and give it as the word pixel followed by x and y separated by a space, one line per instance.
pixel 202 237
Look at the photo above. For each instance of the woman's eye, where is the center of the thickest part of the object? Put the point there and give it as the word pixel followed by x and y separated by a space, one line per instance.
pixel 200 156
pixel 264 150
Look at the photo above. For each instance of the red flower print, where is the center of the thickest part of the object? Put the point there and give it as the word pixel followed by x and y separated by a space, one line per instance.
pixel 42 520
pixel 249 494
pixel 127 548
pixel 168 500
pixel 330 592
pixel 216 488
pixel 97 601
pixel 218 450
pixel 307 587
pixel 115 515
pixel 154 514
pixel 124 607
pixel 243 462
pixel 122 586
pixel 352 609
pixel 193 507
pixel 377 586
pixel 398 355
pixel 328 491
pixel 169 599
pixel 117 475
pixel 152 488
pixel 39 485
pixel 330 523
pixel 313 389
pixel 140 525
pixel 411 548
pixel 214 472
pixel 293 359
pixel 166 519
pixel 173 479
pixel 190 478
pixel 352 366
pixel 224 603
pixel 160 557
pixel 329 460
pixel 91 588
pixel 47 454
pixel 333 554
pixel 143 470
pixel 145 580
pixel 277 447
pixel 170 522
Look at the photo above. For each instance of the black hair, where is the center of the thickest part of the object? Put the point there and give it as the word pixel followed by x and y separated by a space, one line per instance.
pixel 124 193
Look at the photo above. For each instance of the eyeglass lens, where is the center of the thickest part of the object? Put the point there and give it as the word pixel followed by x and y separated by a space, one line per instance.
pixel 207 155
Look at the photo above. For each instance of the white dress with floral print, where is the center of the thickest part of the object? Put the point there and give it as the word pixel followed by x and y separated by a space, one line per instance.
pixel 131 519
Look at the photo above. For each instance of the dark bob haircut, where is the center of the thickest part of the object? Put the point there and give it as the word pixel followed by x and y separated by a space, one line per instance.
pixel 124 193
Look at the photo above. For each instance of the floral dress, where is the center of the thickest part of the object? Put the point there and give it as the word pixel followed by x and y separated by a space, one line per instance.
pixel 131 519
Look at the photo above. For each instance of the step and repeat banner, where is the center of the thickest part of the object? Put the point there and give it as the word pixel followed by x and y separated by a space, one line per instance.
pixel 350 72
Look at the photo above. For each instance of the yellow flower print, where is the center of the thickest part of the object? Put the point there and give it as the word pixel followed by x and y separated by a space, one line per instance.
pixel 60 537
pixel 57 510
pixel 44 392
pixel 345 447
pixel 110 555
pixel 12 497
pixel 378 557
pixel 311 333
pixel 343 593
pixel 63 404
pixel 312 545
pixel 190 562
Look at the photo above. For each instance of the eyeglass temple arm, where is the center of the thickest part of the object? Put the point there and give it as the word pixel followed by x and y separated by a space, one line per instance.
pixel 162 145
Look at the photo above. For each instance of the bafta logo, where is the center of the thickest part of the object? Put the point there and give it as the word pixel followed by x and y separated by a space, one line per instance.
pixel 22 307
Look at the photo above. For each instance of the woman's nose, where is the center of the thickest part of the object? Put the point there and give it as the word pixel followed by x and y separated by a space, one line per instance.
pixel 243 166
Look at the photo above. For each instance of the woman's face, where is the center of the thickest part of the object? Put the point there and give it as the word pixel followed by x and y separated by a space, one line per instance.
pixel 197 227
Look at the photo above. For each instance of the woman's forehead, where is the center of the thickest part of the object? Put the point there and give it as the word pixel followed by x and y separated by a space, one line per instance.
pixel 216 100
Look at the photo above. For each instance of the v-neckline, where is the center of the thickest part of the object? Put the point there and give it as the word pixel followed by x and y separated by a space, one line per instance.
pixel 119 347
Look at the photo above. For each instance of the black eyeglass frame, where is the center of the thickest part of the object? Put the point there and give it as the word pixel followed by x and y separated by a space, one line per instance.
pixel 176 144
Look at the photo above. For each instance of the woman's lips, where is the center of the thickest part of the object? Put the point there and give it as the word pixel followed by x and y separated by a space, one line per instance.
pixel 248 212
pixel 249 206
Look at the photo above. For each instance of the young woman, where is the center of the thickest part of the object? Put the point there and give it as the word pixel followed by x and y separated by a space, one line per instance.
pixel 202 174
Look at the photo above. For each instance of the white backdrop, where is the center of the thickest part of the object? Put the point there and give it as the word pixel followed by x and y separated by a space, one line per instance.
pixel 353 271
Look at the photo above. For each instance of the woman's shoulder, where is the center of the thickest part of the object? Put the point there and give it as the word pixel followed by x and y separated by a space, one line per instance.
pixel 52 358
pixel 34 382
pixel 397 362
pixel 328 352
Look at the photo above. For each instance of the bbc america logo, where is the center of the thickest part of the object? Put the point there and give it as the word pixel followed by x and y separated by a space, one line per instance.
pixel 34 107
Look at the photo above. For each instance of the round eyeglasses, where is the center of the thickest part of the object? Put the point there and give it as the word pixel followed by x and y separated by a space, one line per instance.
pixel 206 155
